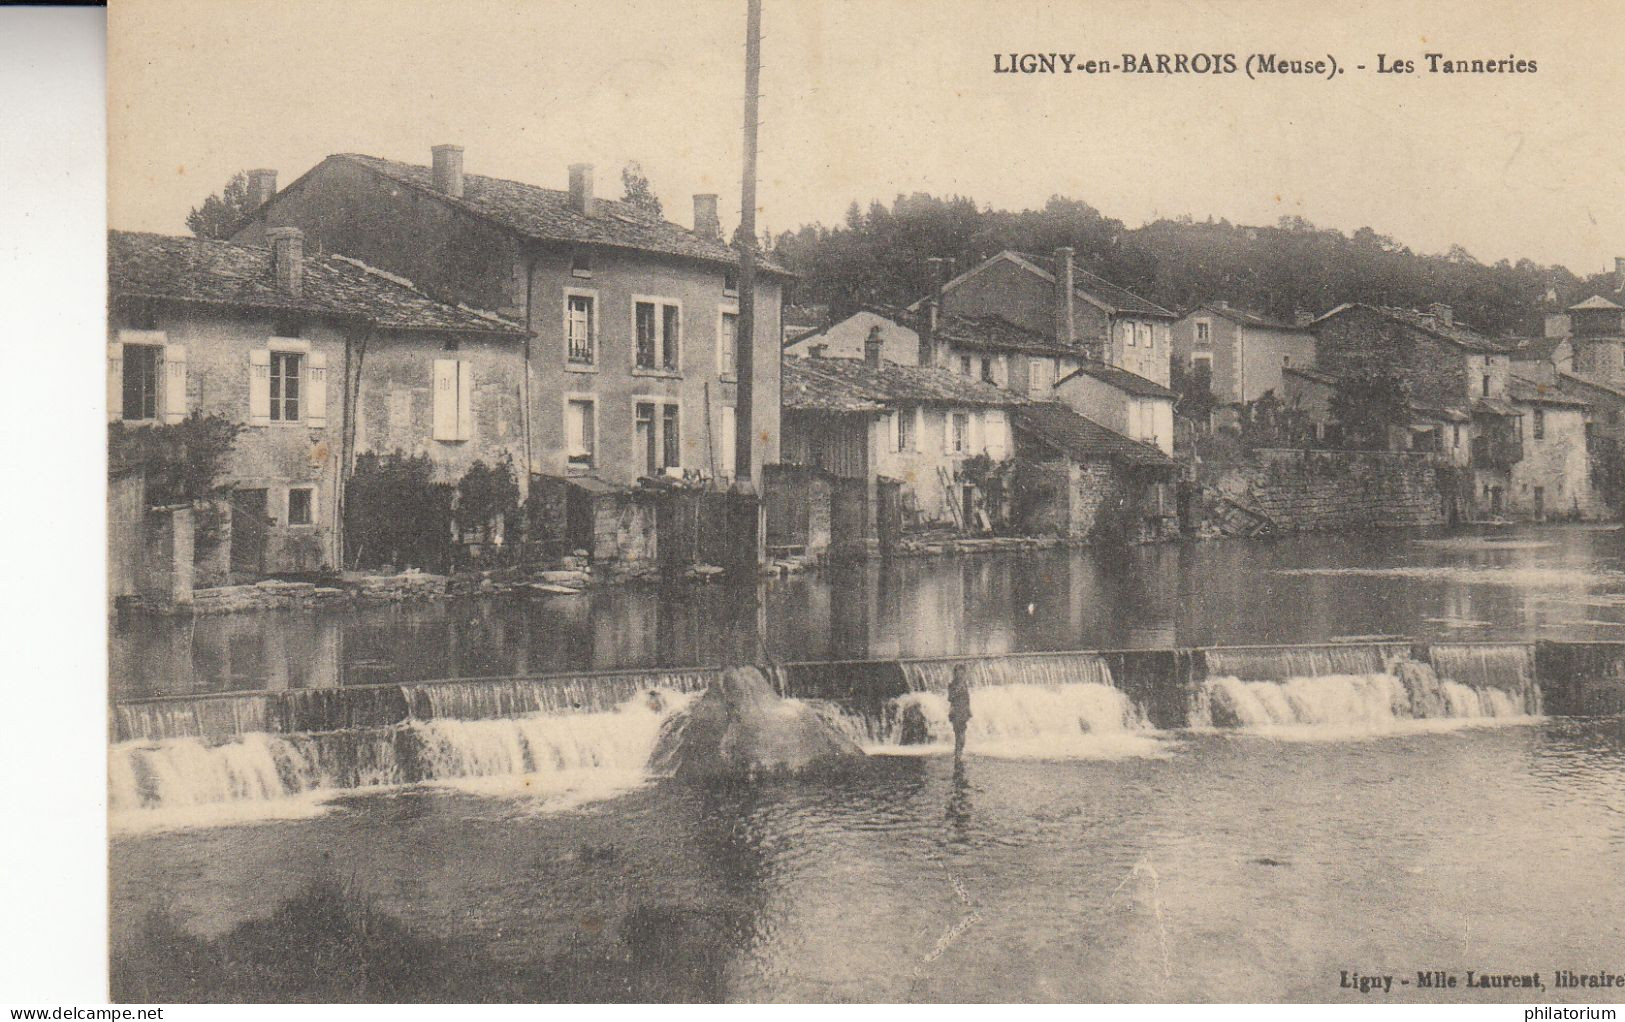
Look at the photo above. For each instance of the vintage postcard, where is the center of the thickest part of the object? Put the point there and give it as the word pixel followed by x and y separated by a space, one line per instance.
pixel 818 501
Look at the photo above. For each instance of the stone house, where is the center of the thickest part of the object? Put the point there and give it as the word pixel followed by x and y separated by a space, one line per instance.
pixel 1449 367
pixel 632 366
pixel 875 420
pixel 1553 478
pixel 988 348
pixel 280 342
pixel 1083 477
pixel 1243 353
pixel 1076 310
pixel 1124 402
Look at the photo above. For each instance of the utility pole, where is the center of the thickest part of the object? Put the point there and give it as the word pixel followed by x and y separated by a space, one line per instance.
pixel 745 240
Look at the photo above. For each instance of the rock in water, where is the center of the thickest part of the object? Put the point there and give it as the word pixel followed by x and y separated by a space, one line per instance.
pixel 741 728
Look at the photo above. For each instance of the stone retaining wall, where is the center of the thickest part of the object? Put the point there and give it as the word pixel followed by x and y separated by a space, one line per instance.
pixel 1308 491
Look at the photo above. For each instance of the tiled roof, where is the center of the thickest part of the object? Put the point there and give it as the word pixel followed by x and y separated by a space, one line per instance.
pixel 1129 383
pixel 1437 412
pixel 852 385
pixel 1496 406
pixel 1537 349
pixel 1454 333
pixel 1595 302
pixel 1248 318
pixel 1118 299
pixel 1315 375
pixel 1530 393
pixel 995 333
pixel 228 274
pixel 1590 389
pixel 545 214
pixel 1083 438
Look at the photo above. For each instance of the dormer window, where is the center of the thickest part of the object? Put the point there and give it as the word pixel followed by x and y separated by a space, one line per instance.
pixel 581 261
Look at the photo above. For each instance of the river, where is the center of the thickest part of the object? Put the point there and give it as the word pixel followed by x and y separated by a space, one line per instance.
pixel 1314 818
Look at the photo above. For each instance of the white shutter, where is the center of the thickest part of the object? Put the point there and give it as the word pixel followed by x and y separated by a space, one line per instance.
pixel 259 387
pixel 976 440
pixel 315 402
pixel 893 429
pixel 947 432
pixel 445 399
pixel 174 382
pixel 465 400
pixel 725 463
pixel 115 381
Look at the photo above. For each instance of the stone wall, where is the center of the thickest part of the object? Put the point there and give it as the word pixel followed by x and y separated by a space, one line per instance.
pixel 1308 491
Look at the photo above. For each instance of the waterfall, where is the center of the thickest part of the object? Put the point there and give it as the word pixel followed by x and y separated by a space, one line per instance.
pixel 1500 669
pixel 1304 689
pixel 191 779
pixel 1047 669
pixel 1263 663
pixel 1063 721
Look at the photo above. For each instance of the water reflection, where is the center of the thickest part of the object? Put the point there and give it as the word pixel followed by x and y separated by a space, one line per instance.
pixel 1523 583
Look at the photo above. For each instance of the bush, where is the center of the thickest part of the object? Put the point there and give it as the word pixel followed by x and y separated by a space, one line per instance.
pixel 181 461
pixel 395 514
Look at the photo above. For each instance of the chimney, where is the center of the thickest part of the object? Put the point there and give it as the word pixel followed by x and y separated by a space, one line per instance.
pixel 872 346
pixel 1619 271
pixel 1443 313
pixel 287 257
pixel 261 187
pixel 706 222
pixel 581 199
pixel 448 170
pixel 1065 324
pixel 930 311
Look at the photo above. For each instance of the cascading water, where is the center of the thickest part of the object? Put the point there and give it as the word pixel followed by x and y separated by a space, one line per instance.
pixel 186 780
pixel 1060 706
pixel 1325 700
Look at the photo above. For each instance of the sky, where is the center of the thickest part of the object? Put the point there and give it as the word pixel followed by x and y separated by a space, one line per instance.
pixel 864 101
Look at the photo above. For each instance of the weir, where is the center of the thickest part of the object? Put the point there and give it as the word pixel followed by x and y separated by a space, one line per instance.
pixel 542 731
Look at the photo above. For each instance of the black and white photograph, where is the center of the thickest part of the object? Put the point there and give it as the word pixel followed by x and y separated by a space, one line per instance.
pixel 807 501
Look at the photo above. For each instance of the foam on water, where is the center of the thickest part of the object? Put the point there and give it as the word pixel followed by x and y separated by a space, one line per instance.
pixel 1072 721
pixel 1488 685
pixel 562 759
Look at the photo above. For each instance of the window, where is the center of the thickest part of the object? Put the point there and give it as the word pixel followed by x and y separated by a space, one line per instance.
pixel 961 426
pixel 1204 332
pixel 730 281
pixel 453 399
pixel 673 447
pixel 1144 332
pixel 579 432
pixel 659 328
pixel 905 429
pixel 285 385
pixel 301 505
pixel 1540 424
pixel 1486 386
pixel 964 365
pixel 728 344
pixel 643 436
pixel 987 370
pixel 1128 334
pixel 581 261
pixel 1455 435
pixel 1286 360
pixel 580 330
pixel 140 382
pixel 1040 377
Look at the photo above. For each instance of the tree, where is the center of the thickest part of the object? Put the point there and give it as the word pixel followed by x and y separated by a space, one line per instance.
pixel 1367 405
pixel 182 461
pixel 637 191
pixel 220 213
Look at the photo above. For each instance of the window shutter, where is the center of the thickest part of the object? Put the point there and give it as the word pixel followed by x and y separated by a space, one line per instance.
pixel 725 464
pixel 315 402
pixel 174 382
pixel 465 400
pixel 259 387
pixel 947 432
pixel 115 381
pixel 445 399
